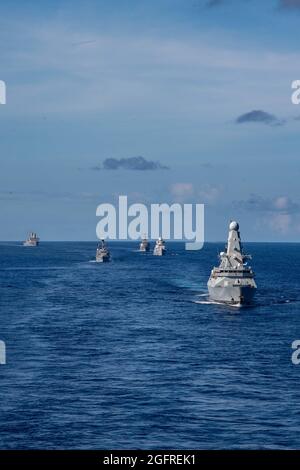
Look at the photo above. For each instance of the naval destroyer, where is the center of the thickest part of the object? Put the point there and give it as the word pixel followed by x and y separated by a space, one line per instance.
pixel 160 247
pixel 32 240
pixel 232 282
pixel 102 253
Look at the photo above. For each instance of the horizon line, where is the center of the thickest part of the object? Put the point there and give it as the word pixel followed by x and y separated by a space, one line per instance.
pixel 150 240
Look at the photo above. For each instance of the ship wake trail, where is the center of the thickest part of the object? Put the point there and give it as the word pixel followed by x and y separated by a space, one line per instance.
pixel 222 304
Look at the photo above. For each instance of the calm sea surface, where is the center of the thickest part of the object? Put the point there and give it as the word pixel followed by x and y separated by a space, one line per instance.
pixel 130 355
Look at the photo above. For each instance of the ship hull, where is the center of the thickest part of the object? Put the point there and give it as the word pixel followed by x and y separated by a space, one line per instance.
pixel 104 259
pixel 144 250
pixel 233 295
pixel 159 252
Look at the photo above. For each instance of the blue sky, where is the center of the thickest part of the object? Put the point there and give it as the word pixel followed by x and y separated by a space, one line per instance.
pixel 165 80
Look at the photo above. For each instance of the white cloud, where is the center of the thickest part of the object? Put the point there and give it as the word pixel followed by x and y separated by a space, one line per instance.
pixel 182 191
pixel 282 203
pixel 210 194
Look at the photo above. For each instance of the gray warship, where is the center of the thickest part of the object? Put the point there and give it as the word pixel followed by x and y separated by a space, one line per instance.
pixel 144 245
pixel 32 240
pixel 102 253
pixel 160 247
pixel 232 282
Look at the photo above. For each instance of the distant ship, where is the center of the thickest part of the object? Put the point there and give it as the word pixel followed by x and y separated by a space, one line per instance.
pixel 102 253
pixel 160 248
pixel 144 245
pixel 232 282
pixel 32 240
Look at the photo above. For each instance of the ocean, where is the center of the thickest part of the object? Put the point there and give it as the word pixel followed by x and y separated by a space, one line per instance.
pixel 132 355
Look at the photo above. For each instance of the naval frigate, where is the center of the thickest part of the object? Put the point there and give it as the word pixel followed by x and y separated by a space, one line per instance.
pixel 102 253
pixel 160 247
pixel 232 282
pixel 144 245
pixel 32 240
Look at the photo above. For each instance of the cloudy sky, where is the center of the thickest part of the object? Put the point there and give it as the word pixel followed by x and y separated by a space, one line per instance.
pixel 168 100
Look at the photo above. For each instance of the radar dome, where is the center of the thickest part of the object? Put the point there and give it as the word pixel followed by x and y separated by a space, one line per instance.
pixel 233 225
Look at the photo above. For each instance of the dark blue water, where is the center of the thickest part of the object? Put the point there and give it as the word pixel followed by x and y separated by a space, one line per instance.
pixel 128 354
